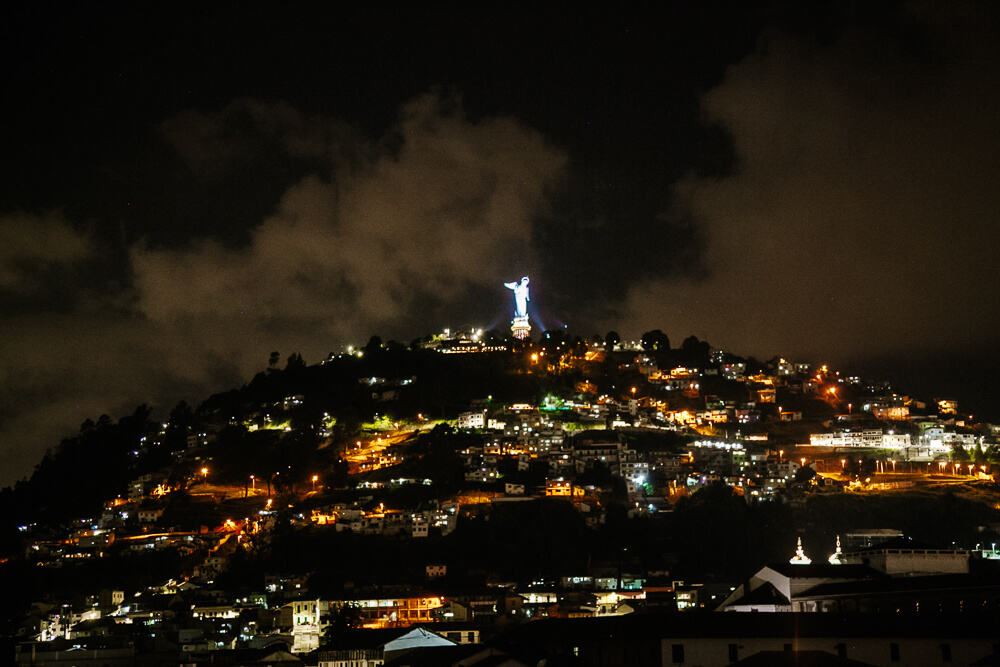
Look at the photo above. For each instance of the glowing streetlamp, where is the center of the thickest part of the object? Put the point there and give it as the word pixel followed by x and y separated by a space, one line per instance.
pixel 204 473
pixel 893 462
pixel 803 459
pixel 843 464
pixel 253 483
pixel 314 479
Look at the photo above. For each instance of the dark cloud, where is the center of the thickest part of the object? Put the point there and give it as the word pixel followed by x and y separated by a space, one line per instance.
pixel 862 216
pixel 449 205
pixel 31 245
pixel 427 213
pixel 211 143
pixel 207 222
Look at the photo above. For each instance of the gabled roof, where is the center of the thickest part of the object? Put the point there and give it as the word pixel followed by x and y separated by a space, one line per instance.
pixel 392 639
pixel 417 638
pixel 359 639
pixel 763 595
pixel 433 656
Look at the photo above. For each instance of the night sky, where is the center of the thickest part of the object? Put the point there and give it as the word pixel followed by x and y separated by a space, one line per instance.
pixel 188 188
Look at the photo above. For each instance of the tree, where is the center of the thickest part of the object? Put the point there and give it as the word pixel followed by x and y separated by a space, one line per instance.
pixel 272 360
pixel 348 618
pixel 804 474
pixel 493 337
pixel 695 350
pixel 611 339
pixel 552 339
pixel 294 362
pixel 395 347
pixel 655 341
pixel 374 346
pixel 178 426
pixel 979 456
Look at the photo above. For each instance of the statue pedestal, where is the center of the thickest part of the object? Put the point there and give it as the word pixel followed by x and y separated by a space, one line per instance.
pixel 519 328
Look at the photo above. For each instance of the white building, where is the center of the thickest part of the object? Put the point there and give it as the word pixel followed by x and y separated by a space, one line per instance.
pixel 472 420
pixel 874 438
pixel 309 619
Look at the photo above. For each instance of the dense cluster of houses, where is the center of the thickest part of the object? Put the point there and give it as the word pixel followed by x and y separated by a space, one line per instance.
pixel 877 572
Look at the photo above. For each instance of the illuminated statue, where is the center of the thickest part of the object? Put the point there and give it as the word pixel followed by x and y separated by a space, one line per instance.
pixel 521 298
pixel 519 326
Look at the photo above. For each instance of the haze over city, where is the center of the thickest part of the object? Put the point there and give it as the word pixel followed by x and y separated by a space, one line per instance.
pixel 351 336
pixel 186 194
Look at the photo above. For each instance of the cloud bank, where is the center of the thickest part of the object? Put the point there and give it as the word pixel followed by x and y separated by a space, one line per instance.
pixel 427 212
pixel 861 213
pixel 31 245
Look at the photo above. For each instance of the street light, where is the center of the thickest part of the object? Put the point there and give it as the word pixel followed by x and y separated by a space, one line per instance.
pixel 314 478
pixel 253 483
pixel 204 473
